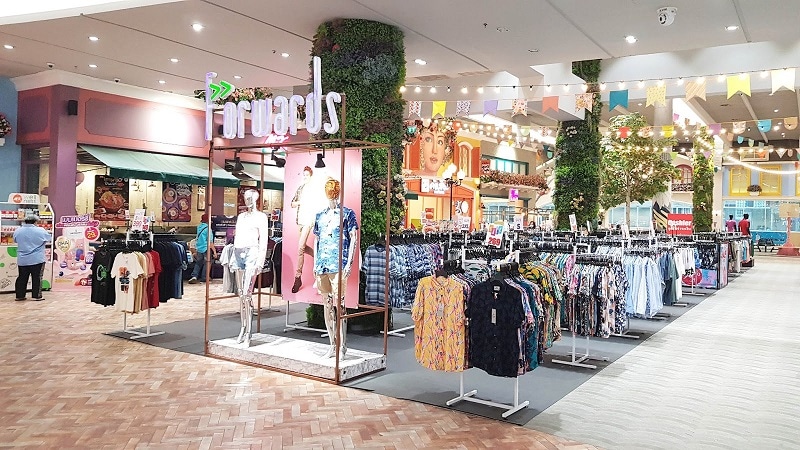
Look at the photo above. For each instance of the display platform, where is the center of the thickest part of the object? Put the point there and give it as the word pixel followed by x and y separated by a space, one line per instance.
pixel 299 356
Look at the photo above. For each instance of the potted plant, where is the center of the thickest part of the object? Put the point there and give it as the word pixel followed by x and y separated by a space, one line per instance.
pixel 754 190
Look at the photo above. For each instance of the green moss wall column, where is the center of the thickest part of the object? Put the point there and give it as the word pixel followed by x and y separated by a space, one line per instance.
pixel 365 61
pixel 577 188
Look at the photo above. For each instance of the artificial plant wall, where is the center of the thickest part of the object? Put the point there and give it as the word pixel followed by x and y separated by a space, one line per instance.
pixel 577 187
pixel 703 181
pixel 365 61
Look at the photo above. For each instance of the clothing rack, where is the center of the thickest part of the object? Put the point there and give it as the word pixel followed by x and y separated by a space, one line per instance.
pixel 469 397
pixel 139 237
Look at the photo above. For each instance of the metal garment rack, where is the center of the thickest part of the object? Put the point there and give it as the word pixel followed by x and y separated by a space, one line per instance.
pixel 400 332
pixel 578 361
pixel 148 331
pixel 296 326
pixel 469 397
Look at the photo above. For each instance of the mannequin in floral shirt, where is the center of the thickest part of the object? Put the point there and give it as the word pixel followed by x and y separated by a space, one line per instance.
pixel 327 263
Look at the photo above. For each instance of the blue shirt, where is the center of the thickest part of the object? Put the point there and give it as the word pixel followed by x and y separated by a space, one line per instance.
pixel 326 229
pixel 202 238
pixel 30 241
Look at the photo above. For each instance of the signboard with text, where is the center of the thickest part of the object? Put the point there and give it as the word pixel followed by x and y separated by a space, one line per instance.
pixel 680 224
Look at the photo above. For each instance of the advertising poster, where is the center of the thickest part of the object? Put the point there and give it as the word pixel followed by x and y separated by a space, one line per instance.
pixel 680 224
pixel 73 253
pixel 176 202
pixel 111 198
pixel 304 197
pixel 223 228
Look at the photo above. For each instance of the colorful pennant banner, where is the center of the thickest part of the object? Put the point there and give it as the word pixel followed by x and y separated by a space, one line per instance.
pixel 739 83
pixel 617 98
pixel 549 103
pixel 696 89
pixel 656 95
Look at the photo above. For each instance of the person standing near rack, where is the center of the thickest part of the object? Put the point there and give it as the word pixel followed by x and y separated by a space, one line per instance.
pixel 744 225
pixel 328 261
pixel 31 241
pixel 199 271
pixel 730 224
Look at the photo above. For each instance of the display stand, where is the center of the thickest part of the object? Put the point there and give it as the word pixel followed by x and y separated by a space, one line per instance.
pixel 578 361
pixel 400 332
pixel 296 326
pixel 469 397
pixel 627 333
pixel 10 220
pixel 131 236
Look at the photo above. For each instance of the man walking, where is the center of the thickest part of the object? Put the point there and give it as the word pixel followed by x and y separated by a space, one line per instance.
pixel 199 272
pixel 31 241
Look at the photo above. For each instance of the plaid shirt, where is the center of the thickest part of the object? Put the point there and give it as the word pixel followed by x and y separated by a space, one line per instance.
pixel 375 273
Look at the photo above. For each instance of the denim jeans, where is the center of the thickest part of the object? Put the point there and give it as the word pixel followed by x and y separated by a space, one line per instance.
pixel 199 270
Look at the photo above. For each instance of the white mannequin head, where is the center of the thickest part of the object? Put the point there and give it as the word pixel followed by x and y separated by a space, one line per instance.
pixel 251 198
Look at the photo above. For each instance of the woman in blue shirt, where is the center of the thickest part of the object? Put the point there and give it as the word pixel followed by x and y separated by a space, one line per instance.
pixel 31 241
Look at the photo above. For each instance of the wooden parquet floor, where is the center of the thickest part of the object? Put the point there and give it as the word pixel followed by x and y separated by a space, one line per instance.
pixel 63 384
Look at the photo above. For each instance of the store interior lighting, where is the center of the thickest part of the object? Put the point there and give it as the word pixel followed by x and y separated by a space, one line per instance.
pixel 279 162
pixel 320 160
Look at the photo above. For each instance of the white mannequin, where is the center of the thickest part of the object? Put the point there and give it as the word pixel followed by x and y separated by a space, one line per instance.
pixel 249 252
pixel 327 263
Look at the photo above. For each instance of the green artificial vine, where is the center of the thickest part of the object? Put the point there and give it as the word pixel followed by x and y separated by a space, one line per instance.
pixel 365 61
pixel 577 187
pixel 703 182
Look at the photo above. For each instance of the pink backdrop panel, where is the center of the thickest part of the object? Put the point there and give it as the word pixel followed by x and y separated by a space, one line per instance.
pixel 314 197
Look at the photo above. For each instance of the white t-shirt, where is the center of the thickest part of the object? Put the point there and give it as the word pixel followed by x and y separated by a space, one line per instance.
pixel 125 270
pixel 252 227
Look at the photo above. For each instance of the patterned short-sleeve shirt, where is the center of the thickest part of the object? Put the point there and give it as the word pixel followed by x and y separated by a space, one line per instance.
pixel 326 229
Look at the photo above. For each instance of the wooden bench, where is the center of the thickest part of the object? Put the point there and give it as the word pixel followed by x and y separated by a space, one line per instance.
pixel 766 243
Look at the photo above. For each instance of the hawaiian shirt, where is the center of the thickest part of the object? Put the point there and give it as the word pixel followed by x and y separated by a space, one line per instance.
pixel 439 324
pixel 326 229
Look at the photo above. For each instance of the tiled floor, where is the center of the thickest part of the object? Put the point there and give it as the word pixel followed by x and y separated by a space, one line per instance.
pixel 63 384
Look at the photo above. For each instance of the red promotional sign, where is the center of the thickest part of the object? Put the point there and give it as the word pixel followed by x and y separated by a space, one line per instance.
pixel 680 224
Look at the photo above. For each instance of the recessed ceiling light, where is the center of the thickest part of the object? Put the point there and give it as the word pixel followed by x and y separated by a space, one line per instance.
pixel 174 60
pixel 630 39
pixel 639 104
pixel 162 82
pixel 8 47
pixel 93 66
pixel 285 55
pixel 197 26
pixel 94 38
pixel 533 50
pixel 238 77
pixel 421 62
pixel 774 110
pixel 732 27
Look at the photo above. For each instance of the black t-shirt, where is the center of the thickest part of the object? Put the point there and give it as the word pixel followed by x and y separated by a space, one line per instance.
pixel 495 314
pixel 102 283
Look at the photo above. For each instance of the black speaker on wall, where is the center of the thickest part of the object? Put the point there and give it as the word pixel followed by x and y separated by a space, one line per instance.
pixel 72 107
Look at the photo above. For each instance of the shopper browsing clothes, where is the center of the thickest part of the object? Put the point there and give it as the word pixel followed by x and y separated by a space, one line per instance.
pixel 744 225
pixel 31 241
pixel 199 272
pixel 730 224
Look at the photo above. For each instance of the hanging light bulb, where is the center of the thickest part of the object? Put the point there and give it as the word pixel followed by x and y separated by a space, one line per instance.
pixel 602 86
pixel 480 90
pixel 584 87
pixel 402 89
pixel 621 85
pixel 433 89
pixel 721 78
pixel 641 84
pixel 700 80
pixel 660 83
pixel 464 90
pixel 566 88
pixel 680 81
pixel 548 88
pixel 417 89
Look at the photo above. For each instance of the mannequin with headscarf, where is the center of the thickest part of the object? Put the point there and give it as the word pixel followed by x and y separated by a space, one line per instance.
pixel 328 262
pixel 249 252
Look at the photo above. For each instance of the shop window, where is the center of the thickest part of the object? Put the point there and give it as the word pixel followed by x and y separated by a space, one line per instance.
pixel 683 181
pixel 507 165
pixel 770 182
pixel 740 179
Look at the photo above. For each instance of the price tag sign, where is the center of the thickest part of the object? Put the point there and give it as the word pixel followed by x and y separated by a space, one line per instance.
pixel 494 235
pixel 573 222
pixel 139 221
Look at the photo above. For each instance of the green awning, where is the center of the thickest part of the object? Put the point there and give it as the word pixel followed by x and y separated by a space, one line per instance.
pixel 273 176
pixel 159 167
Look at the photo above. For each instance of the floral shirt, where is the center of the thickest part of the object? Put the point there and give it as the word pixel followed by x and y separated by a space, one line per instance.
pixel 439 326
pixel 326 229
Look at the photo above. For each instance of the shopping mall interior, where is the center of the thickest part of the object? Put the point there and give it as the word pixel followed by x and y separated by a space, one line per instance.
pixel 375 224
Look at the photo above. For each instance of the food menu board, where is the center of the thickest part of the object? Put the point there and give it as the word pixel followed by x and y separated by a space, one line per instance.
pixel 176 203
pixel 111 198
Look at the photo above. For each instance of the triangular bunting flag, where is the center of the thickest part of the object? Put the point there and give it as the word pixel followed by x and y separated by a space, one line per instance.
pixel 780 152
pixel 520 106
pixel 790 123
pixel 489 107
pixel 740 139
pixel 668 130
pixel 764 125
pixel 415 108
pixel 439 108
pixel 463 107
pixel 739 83
pixel 550 103
pixel 657 95
pixel 739 127
pixel 751 142
pixel 617 98
pixel 646 131
pixel 783 78
pixel 676 117
pixel 696 89
pixel 584 101
pixel 623 132
pixel 525 131
pixel 714 128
